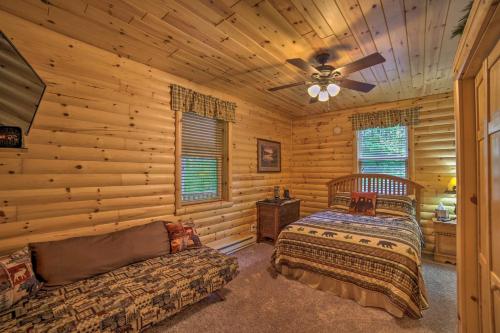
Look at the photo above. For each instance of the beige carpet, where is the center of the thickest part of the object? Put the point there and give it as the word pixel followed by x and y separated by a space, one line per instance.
pixel 255 302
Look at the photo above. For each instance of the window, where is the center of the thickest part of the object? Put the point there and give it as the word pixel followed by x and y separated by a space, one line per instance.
pixel 202 158
pixel 383 150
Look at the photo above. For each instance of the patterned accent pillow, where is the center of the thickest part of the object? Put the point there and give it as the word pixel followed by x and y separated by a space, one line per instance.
pixel 363 203
pixel 17 279
pixel 182 237
pixel 399 205
pixel 341 200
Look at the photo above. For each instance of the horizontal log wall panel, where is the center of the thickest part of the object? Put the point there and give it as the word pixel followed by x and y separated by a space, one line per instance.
pixel 55 138
pixel 319 155
pixel 100 156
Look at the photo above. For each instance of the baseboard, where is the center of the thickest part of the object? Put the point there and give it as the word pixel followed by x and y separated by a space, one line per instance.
pixel 233 243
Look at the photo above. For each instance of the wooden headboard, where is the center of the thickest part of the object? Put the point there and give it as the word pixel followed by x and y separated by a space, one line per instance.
pixel 381 184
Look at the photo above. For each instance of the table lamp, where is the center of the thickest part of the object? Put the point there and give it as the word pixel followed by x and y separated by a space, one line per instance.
pixel 452 186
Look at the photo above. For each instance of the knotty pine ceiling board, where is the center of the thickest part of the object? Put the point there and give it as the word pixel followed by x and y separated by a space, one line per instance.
pixel 415 30
pixel 241 46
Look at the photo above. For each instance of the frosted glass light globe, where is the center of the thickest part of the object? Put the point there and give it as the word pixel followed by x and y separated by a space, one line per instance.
pixel 333 89
pixel 323 96
pixel 313 90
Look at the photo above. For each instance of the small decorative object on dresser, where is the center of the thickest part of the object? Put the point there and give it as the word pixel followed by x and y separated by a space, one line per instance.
pixel 274 215
pixel 286 193
pixel 446 241
pixel 276 193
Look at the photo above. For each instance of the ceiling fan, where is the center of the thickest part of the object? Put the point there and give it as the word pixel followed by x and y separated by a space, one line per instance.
pixel 326 80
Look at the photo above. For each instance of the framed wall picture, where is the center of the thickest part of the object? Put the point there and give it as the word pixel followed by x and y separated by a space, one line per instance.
pixel 268 156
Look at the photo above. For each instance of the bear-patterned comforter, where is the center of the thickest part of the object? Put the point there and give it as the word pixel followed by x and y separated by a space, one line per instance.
pixel 381 254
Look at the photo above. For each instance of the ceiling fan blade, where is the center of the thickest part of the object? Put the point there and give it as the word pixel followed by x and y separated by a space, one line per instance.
pixel 287 86
pixel 301 64
pixel 356 85
pixel 368 61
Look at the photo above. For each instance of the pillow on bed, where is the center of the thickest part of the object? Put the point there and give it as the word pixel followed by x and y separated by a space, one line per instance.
pixel 399 205
pixel 363 203
pixel 341 200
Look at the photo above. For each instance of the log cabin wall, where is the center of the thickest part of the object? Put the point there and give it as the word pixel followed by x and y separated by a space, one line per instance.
pixel 100 156
pixel 319 155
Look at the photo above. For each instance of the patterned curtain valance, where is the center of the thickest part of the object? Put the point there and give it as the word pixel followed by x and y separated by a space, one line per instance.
pixel 187 100
pixel 386 118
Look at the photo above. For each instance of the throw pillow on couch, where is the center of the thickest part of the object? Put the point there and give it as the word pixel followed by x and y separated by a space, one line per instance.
pixel 182 237
pixel 17 279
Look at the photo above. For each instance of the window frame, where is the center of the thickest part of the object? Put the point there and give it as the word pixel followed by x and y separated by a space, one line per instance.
pixel 410 148
pixel 225 199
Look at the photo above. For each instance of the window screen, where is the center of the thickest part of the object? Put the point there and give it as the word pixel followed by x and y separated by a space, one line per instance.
pixel 384 150
pixel 202 157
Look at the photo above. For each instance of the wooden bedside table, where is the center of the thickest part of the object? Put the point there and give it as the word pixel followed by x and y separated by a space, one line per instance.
pixel 274 215
pixel 446 241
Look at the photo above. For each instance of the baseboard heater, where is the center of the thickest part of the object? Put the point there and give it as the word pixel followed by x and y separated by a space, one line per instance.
pixel 238 245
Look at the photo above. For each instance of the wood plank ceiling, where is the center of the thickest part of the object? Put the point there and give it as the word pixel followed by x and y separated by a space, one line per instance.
pixel 240 47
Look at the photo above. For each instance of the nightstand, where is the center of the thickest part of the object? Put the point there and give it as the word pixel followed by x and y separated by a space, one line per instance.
pixel 446 241
pixel 274 215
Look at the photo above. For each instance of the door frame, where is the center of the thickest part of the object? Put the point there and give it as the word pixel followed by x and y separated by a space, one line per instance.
pixel 479 37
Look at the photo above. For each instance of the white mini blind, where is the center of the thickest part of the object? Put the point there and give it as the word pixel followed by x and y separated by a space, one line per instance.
pixel 202 157
pixel 384 150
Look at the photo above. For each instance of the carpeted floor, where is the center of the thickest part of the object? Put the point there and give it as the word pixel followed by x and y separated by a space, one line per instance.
pixel 255 302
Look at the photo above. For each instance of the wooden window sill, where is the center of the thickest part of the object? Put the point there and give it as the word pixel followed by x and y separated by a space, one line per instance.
pixel 202 206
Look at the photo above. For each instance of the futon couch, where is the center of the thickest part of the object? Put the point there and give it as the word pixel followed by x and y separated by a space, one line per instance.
pixel 128 299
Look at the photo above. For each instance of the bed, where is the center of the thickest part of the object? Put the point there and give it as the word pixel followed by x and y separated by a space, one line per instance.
pixel 374 260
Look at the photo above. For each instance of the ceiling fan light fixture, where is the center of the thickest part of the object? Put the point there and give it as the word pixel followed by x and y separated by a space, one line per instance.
pixel 323 95
pixel 333 89
pixel 314 90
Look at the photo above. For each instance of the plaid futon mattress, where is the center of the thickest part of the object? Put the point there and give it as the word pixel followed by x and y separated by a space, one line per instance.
pixel 128 299
pixel 380 254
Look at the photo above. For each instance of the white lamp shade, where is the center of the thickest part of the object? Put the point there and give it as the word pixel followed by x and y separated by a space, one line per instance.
pixel 314 90
pixel 323 96
pixel 333 89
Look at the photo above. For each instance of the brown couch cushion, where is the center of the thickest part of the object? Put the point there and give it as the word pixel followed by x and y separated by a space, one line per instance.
pixel 62 262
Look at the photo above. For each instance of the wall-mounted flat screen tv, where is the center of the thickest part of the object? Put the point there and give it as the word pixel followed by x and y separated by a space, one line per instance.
pixel 21 89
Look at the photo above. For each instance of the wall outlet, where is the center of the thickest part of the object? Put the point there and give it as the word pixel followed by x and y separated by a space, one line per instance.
pixel 253 227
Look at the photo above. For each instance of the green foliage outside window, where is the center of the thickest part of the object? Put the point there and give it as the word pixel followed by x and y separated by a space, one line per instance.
pixel 199 178
pixel 383 150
